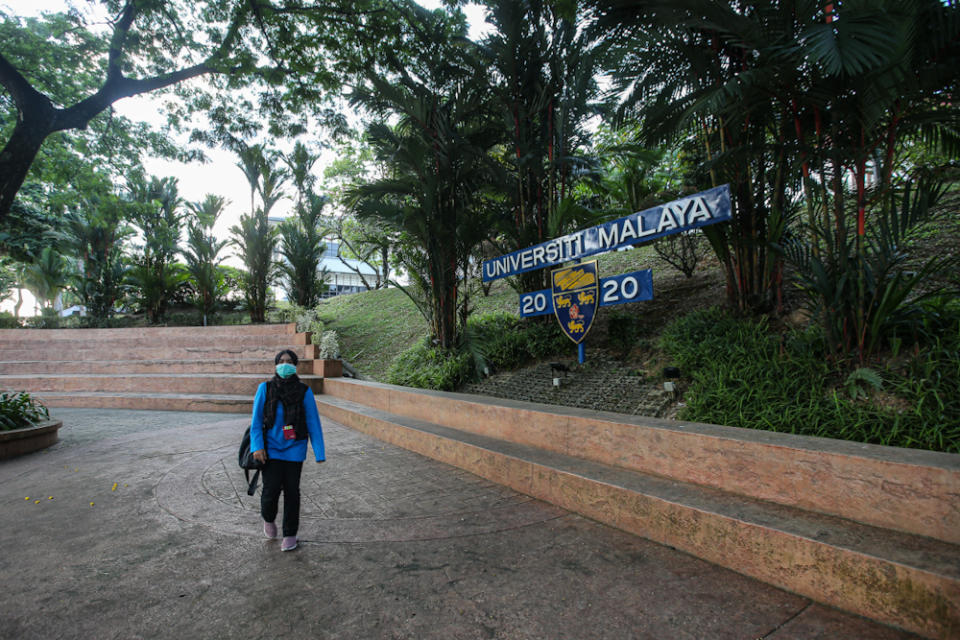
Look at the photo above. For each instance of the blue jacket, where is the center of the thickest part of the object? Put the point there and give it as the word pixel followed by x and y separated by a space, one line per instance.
pixel 277 447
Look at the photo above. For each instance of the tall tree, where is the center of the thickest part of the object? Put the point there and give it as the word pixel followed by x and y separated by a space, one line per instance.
pixel 302 247
pixel 786 99
pixel 545 84
pixel 202 254
pixel 97 233
pixel 439 167
pixel 256 242
pixel 254 237
pixel 156 208
pixel 296 52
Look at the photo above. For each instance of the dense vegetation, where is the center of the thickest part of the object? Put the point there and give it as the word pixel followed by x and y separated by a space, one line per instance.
pixel 834 125
pixel 743 374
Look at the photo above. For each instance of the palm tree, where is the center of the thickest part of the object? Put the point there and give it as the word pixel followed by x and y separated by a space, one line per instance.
pixel 437 152
pixel 256 242
pixel 300 163
pixel 544 83
pixel 156 210
pixel 251 163
pixel 302 246
pixel 47 277
pixel 254 237
pixel 786 100
pixel 96 235
pixel 203 253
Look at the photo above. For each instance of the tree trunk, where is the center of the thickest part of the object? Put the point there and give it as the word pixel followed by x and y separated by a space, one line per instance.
pixel 17 157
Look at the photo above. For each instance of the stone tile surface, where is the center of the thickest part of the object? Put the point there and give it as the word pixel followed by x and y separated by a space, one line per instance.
pixel 395 546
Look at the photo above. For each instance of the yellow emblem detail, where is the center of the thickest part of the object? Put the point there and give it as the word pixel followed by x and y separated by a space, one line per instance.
pixel 573 279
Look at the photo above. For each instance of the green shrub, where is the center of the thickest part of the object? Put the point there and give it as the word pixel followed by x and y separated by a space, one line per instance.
pixel 498 337
pixel 19 410
pixel 546 339
pixel 48 319
pixel 623 331
pixel 8 320
pixel 509 342
pixel 494 341
pixel 425 366
pixel 742 375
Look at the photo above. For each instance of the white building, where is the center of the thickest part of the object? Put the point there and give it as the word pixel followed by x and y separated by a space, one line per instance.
pixel 342 276
pixel 342 273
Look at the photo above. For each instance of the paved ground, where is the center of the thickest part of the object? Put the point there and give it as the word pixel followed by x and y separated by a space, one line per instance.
pixel 136 525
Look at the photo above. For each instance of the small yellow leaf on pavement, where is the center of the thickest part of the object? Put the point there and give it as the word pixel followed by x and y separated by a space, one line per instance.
pixel 91 504
pixel 36 502
pixel 114 487
pixel 27 498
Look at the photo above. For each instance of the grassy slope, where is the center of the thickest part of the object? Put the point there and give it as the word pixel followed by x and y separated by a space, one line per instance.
pixel 375 326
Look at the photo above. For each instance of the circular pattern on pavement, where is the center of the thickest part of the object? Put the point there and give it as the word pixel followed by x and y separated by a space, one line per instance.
pixel 367 491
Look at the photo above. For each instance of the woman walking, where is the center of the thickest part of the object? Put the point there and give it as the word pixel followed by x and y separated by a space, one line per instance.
pixel 285 411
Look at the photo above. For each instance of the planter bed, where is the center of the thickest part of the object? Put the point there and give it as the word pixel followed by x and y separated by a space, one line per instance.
pixel 29 439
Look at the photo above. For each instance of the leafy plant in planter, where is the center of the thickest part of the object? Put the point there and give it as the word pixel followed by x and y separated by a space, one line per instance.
pixel 329 347
pixel 18 410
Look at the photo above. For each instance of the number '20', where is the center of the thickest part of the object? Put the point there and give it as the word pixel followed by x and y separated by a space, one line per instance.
pixel 623 289
pixel 535 303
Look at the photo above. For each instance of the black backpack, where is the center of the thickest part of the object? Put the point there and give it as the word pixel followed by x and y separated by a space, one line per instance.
pixel 248 463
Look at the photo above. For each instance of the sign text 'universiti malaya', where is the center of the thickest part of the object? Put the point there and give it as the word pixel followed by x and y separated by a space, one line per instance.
pixel 691 212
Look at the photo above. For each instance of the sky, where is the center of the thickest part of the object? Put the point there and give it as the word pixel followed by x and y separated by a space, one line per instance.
pixel 220 175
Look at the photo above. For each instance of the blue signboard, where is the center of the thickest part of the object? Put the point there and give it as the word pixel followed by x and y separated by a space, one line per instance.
pixel 626 287
pixel 691 212
pixel 575 294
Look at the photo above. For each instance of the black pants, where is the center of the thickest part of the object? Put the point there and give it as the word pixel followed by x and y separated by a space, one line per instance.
pixel 282 475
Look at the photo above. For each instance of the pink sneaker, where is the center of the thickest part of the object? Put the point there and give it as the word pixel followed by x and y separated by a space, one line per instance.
pixel 270 530
pixel 289 543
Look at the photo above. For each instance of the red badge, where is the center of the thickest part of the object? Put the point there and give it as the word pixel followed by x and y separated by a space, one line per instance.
pixel 289 433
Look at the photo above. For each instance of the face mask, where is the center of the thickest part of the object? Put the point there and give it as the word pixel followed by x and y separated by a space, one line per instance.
pixel 285 370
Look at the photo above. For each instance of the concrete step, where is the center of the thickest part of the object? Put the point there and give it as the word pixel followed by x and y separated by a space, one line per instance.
pixel 272 341
pixel 222 403
pixel 903 579
pixel 93 351
pixel 903 489
pixel 257 366
pixel 180 383
pixel 147 332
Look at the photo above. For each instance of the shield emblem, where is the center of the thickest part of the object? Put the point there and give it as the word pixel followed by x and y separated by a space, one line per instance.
pixel 576 297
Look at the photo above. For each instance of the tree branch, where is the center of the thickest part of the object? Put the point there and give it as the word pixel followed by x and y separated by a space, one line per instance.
pixel 25 97
pixel 118 40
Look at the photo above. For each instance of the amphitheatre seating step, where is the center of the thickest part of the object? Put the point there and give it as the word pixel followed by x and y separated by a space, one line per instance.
pixel 905 489
pixel 222 403
pixel 230 384
pixel 108 351
pixel 900 578
pixel 177 368
pixel 147 332
pixel 260 366
pixel 276 342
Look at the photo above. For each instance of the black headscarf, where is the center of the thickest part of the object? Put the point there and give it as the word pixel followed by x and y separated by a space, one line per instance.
pixel 289 392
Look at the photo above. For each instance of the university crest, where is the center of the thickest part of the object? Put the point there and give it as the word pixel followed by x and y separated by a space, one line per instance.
pixel 576 296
